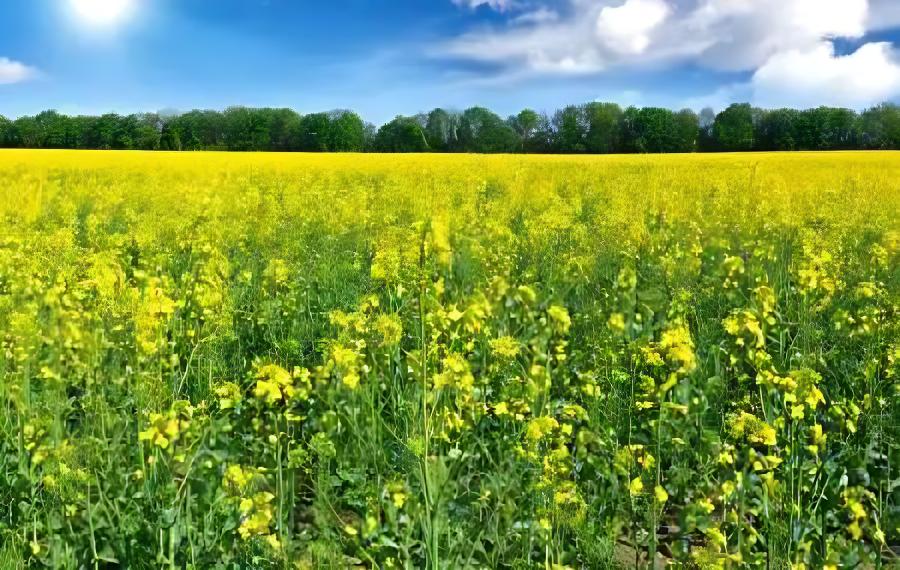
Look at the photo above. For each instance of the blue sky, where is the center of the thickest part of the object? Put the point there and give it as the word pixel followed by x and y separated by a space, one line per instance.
pixel 385 57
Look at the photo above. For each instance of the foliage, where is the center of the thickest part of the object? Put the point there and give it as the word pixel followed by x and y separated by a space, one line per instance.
pixel 403 134
pixel 594 128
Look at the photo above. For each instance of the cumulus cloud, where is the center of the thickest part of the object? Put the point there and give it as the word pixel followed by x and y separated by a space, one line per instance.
pixel 732 35
pixel 15 72
pixel 786 45
pixel 627 28
pixel 817 76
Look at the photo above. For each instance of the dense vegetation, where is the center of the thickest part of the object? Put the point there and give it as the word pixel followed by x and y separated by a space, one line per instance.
pixel 594 128
pixel 308 361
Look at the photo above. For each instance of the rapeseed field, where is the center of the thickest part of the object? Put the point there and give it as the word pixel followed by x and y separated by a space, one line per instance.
pixel 448 361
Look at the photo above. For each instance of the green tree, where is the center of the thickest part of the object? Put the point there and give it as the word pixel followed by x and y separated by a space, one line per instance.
pixel 27 132
pixel 706 141
pixel 147 131
pixel 370 137
pixel 525 124
pixel 206 130
pixel 482 131
pixel 53 129
pixel 650 129
pixel 604 127
pixel 827 128
pixel 403 134
pixel 346 132
pixel 777 131
pixel 687 130
pixel 245 130
pixel 6 127
pixel 284 130
pixel 734 129
pixel 440 130
pixel 571 130
pixel 169 139
pixel 314 132
pixel 879 127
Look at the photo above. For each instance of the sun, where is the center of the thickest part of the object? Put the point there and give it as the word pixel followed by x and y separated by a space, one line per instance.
pixel 102 12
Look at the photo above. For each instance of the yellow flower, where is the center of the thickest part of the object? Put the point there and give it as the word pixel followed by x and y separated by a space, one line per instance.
pixel 351 381
pixel 505 347
pixel 660 494
pixel 636 487
pixel 277 272
pixel 164 429
pixel 273 384
pixel 229 395
pixel 455 374
pixel 814 397
pixel 273 542
pixel 651 356
pixel 616 323
pixel 269 392
pixel 706 505
pixel 257 515
pixel 237 477
pixel 399 499
pixel 716 537
pixel 753 429
pixel 390 329
pixel 677 345
pixel 538 428
pixel 817 435
pixel 560 318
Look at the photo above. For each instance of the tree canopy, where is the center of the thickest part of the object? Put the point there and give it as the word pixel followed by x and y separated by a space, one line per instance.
pixel 594 128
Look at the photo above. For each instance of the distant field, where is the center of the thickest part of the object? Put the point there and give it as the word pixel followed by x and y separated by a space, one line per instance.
pixel 449 361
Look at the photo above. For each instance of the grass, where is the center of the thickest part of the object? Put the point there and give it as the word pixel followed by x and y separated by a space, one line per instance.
pixel 429 361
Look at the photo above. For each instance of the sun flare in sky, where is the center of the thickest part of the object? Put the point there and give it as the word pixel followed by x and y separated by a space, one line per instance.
pixel 103 13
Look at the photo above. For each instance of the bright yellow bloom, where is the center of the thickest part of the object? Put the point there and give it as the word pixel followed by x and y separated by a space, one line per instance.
pixel 560 318
pixel 539 428
pixel 661 495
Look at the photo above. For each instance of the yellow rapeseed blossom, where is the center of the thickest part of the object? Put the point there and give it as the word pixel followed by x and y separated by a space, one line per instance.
pixel 560 319
pixel 753 429
pixel 538 428
pixel 660 495
pixel 505 347
pixel 678 347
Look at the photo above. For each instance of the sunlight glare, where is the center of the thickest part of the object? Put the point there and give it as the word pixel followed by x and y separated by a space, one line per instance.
pixel 102 12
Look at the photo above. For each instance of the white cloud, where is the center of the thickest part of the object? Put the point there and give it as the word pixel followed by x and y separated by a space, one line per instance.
pixel 816 76
pixel 627 28
pixel 540 15
pixel 499 5
pixel 15 72
pixel 787 46
pixel 731 35
pixel 742 34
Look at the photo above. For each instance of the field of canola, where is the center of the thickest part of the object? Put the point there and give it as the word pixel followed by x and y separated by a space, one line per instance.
pixel 331 361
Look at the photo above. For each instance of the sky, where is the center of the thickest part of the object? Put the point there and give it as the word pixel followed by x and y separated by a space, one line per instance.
pixel 382 58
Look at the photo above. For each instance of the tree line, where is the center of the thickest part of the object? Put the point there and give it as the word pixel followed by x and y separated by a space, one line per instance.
pixel 592 128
